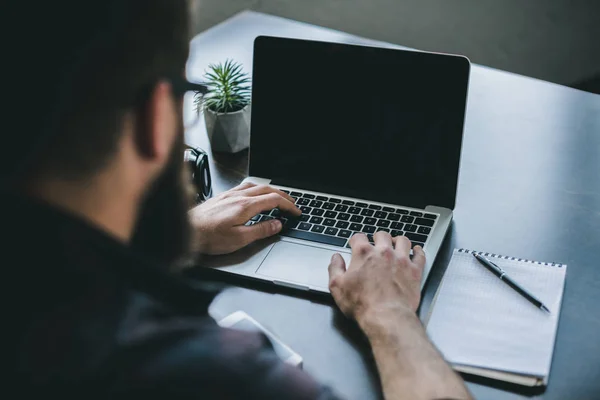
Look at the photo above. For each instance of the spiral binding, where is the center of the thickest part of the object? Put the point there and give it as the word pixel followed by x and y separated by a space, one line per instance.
pixel 481 253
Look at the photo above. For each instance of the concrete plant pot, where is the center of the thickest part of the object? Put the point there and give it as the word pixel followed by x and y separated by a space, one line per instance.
pixel 228 132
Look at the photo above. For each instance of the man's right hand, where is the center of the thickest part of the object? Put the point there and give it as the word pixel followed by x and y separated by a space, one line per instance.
pixel 381 289
pixel 380 280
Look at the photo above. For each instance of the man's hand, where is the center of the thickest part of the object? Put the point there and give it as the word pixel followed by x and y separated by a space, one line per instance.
pixel 380 279
pixel 381 289
pixel 219 222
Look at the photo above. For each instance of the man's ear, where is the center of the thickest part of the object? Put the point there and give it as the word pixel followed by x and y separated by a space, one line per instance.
pixel 156 126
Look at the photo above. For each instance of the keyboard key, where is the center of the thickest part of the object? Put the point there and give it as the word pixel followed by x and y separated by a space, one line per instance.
pixel 380 214
pixel 275 212
pixel 356 227
pixel 374 207
pixel 315 237
pixel 356 218
pixel 316 220
pixel 383 223
pixel 389 209
pixel 395 233
pixel 341 208
pixel 292 224
pixel 416 214
pixel 328 206
pixel 394 217
pixel 369 237
pixel 317 211
pixel 415 237
pixel 343 216
pixel 302 201
pixel 401 211
pixel 296 194
pixel 331 231
pixel 256 217
pixel 410 228
pixel 285 191
pixel 249 223
pixel 367 213
pixel 413 244
pixel 334 200
pixel 383 229
pixel 363 205
pixel 345 234
pixel 329 222
pixel 348 202
pixel 370 221
pixel 322 198
pixel 305 209
pixel 330 214
pixel 354 210
pixel 368 229
pixel 266 218
pixel 425 222
pixel 424 230
pixel 316 203
pixel 305 226
pixel 304 217
pixel 342 224
pixel 430 216
pixel 308 196
pixel 397 225
pixel 407 219
pixel 318 228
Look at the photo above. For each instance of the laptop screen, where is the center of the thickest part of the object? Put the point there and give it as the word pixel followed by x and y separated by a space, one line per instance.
pixel 377 124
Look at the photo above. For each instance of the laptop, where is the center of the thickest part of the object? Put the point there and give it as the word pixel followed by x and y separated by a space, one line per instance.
pixel 364 138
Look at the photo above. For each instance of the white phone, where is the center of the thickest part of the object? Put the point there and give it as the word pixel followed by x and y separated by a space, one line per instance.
pixel 242 321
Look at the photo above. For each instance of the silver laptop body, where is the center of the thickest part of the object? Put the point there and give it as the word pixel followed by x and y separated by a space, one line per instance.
pixel 298 146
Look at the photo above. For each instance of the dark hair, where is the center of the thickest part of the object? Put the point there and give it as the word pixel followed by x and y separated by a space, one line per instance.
pixel 106 54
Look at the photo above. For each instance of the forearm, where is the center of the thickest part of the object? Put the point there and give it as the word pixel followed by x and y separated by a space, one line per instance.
pixel 409 365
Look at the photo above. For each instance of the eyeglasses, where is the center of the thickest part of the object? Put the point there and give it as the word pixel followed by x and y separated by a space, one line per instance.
pixel 197 160
pixel 192 94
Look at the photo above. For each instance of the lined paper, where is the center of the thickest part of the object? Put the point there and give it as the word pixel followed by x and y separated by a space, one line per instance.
pixel 478 320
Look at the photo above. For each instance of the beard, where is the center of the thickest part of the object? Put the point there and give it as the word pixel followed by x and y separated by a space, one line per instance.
pixel 163 230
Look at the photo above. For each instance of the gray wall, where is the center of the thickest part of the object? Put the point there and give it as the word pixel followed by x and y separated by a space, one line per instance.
pixel 554 40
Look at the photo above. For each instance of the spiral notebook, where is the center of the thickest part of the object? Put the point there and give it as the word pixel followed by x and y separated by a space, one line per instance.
pixel 483 327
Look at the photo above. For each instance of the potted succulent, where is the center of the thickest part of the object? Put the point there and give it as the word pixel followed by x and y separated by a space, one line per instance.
pixel 226 107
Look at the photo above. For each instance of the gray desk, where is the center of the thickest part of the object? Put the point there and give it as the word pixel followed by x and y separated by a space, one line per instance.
pixel 529 187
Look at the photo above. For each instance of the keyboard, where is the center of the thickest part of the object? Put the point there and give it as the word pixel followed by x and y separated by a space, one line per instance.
pixel 333 221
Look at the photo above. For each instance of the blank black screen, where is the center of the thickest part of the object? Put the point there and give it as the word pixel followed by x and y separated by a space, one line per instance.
pixel 373 123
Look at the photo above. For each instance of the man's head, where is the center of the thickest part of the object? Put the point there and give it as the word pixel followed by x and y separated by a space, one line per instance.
pixel 99 113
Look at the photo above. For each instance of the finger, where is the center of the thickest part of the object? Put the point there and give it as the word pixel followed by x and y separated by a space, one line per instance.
pixel 419 257
pixel 243 186
pixel 337 267
pixel 248 234
pixel 358 238
pixel 270 201
pixel 382 239
pixel 265 189
pixel 402 246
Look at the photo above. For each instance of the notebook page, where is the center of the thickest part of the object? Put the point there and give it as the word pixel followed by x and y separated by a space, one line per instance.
pixel 480 321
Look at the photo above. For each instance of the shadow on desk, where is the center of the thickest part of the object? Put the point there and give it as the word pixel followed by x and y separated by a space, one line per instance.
pixel 508 387
pixel 212 275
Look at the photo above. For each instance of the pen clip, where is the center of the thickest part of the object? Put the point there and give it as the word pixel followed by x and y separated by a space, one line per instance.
pixel 502 272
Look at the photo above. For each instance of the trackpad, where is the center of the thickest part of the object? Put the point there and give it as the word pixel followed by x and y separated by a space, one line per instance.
pixel 300 264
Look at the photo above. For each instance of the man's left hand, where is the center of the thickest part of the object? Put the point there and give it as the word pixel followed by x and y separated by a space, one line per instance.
pixel 219 223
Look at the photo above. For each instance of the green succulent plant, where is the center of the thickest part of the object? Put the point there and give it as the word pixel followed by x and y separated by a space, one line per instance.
pixel 228 88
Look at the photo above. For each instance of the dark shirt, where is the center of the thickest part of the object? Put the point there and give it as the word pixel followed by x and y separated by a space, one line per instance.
pixel 89 318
